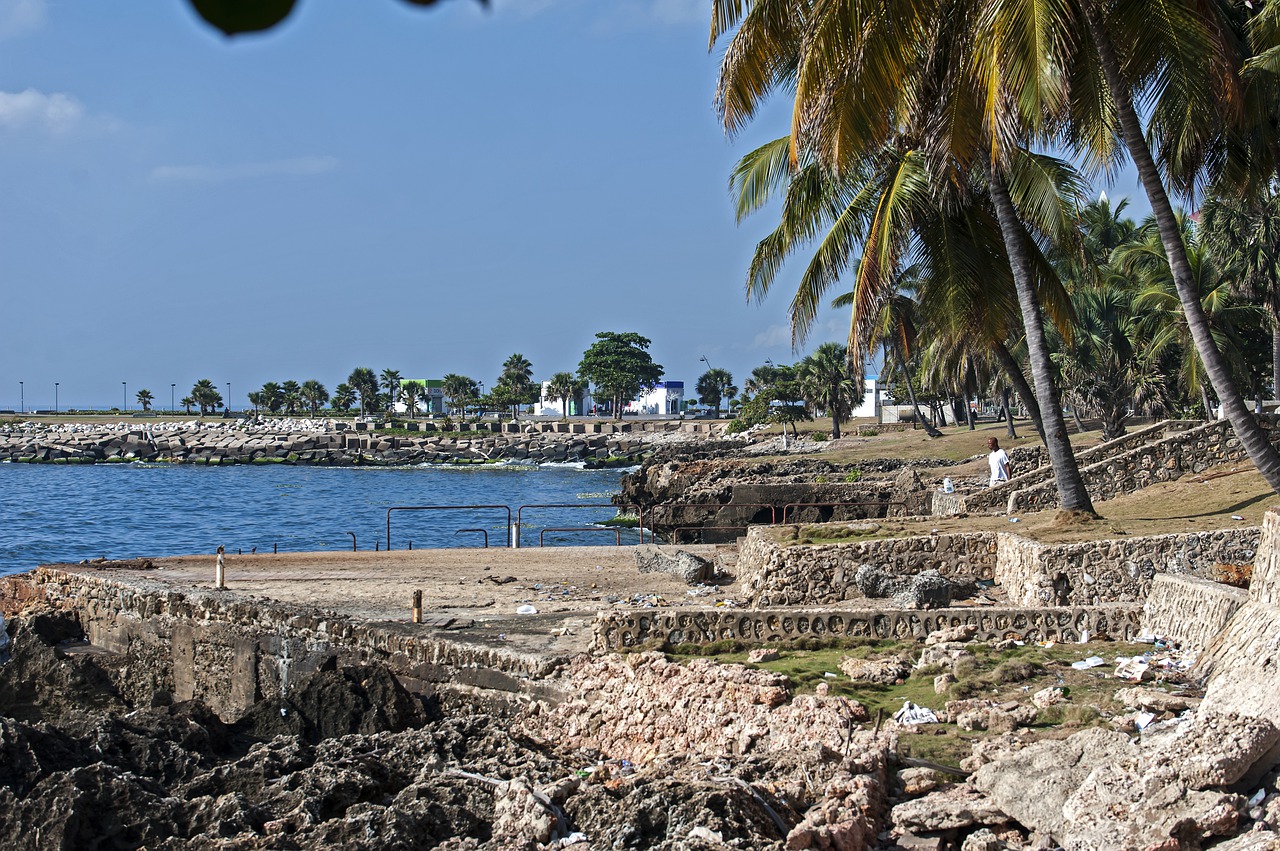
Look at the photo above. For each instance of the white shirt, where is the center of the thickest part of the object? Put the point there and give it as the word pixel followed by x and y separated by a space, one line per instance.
pixel 999 463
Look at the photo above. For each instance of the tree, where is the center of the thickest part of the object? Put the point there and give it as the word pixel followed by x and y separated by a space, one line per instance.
pixel 620 367
pixel 145 399
pixel 206 396
pixel 412 392
pixel 829 384
pixel 461 391
pixel 272 397
pixel 714 385
pixel 515 386
pixel 314 395
pixel 565 386
pixel 292 396
pixel 187 402
pixel 364 383
pixel 343 398
pixel 390 380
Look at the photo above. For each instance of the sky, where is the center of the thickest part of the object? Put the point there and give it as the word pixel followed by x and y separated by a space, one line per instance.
pixel 369 184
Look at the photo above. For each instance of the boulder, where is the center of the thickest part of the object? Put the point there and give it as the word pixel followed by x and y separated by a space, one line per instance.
pixel 693 569
pixel 947 809
pixel 1218 749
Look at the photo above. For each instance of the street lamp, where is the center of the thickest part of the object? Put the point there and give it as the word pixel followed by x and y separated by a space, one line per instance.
pixel 173 394
pixel 55 398
pixel 22 398
pixel 226 406
pixel 125 385
pixel 707 362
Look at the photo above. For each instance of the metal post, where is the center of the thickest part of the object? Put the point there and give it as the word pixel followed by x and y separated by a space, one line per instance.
pixel 220 575
pixel 353 541
pixel 417 606
pixel 55 397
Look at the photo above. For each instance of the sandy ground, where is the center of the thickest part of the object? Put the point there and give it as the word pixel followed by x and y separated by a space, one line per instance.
pixel 474 593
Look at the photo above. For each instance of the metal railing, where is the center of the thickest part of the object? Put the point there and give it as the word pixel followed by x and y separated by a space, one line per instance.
pixel 505 508
pixel 484 532
pixel 617 532
pixel 592 505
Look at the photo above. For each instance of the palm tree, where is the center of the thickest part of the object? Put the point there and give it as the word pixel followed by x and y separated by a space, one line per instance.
pixel 314 394
pixel 205 394
pixel 461 391
pixel 187 402
pixel 829 384
pixel 390 379
pixel 896 76
pixel 364 382
pixel 517 377
pixel 292 396
pixel 145 399
pixel 411 392
pixel 565 386
pixel 272 397
pixel 714 385
pixel 343 398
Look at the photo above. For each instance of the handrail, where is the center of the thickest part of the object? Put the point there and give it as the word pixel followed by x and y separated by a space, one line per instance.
pixel 619 508
pixel 877 504
pixel 505 508
pixel 484 532
pixel 615 529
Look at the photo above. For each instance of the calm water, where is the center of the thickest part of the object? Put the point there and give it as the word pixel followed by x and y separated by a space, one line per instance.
pixel 56 514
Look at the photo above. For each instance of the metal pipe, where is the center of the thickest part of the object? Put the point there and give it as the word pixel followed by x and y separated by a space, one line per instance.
pixel 484 532
pixel 353 541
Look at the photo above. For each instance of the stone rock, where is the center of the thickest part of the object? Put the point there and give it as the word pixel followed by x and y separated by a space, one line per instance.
pixel 953 634
pixel 682 564
pixel 881 671
pixel 1218 749
pixel 1032 784
pixel 947 809
pixel 983 840
pixel 918 781
pixel 518 814
pixel 942 682
pixel 762 654
pixel 927 590
pixel 1155 700
pixel 1046 697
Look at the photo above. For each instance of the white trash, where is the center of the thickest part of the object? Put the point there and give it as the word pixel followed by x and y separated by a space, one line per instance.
pixel 526 609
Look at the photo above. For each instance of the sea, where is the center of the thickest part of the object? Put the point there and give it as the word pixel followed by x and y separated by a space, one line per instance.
pixel 56 514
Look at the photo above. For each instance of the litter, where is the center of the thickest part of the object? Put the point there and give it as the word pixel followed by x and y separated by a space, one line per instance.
pixel 912 714
pixel 1258 798
pixel 829 674
pixel 1132 670
pixel 1236 517
pixel 1084 636
pixel 526 610
pixel 1143 720
pixel 1045 644
pixel 1013 520
pixel 1091 662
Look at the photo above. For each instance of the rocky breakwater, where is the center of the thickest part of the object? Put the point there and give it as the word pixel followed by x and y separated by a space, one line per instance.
pixel 313 442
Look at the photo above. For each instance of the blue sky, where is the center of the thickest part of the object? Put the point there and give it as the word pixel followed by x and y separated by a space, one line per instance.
pixel 371 184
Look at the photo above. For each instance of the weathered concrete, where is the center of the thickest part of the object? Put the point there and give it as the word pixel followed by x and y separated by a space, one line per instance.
pixel 1190 610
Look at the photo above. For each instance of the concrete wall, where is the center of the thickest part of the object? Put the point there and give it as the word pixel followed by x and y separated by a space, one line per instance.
pixel 1189 610
pixel 618 630
pixel 231 651
pixel 775 572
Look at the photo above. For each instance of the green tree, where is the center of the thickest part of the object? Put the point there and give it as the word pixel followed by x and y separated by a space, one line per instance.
pixel 565 386
pixel 620 367
pixel 391 381
pixel 515 386
pixel 206 396
pixel 461 392
pixel 412 392
pixel 829 383
pixel 292 396
pixel 314 395
pixel 343 398
pixel 187 402
pixel 145 399
pixel 715 385
pixel 272 397
pixel 364 382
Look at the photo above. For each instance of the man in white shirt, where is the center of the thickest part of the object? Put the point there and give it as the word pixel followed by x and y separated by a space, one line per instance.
pixel 998 461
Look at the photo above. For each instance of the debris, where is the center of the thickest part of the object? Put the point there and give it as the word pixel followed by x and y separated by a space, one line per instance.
pixel 1013 519
pixel 1131 669
pixel 912 714
pixel 1091 662
pixel 526 609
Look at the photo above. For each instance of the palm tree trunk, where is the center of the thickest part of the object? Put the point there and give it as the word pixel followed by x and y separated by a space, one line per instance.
pixel 915 405
pixel 1072 495
pixel 1275 354
pixel 969 385
pixel 1245 424
pixel 1008 414
pixel 1021 387
pixel 835 411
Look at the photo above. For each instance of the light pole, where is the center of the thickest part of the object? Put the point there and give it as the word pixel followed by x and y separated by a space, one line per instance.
pixel 55 398
pixel 125 385
pixel 226 406
pixel 22 398
pixel 173 394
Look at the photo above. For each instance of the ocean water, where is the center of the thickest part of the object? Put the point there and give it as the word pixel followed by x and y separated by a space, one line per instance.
pixel 65 514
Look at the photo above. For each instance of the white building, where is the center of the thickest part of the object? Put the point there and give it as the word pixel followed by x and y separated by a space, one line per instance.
pixel 550 406
pixel 665 399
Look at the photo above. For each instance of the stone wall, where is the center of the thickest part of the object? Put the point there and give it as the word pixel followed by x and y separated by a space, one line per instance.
pixel 218 443
pixel 1113 571
pixel 1190 610
pixel 618 630
pixel 231 651
pixel 774 572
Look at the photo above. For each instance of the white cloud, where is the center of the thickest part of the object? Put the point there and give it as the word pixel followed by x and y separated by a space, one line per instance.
pixel 243 171
pixel 772 337
pixel 56 113
pixel 19 17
